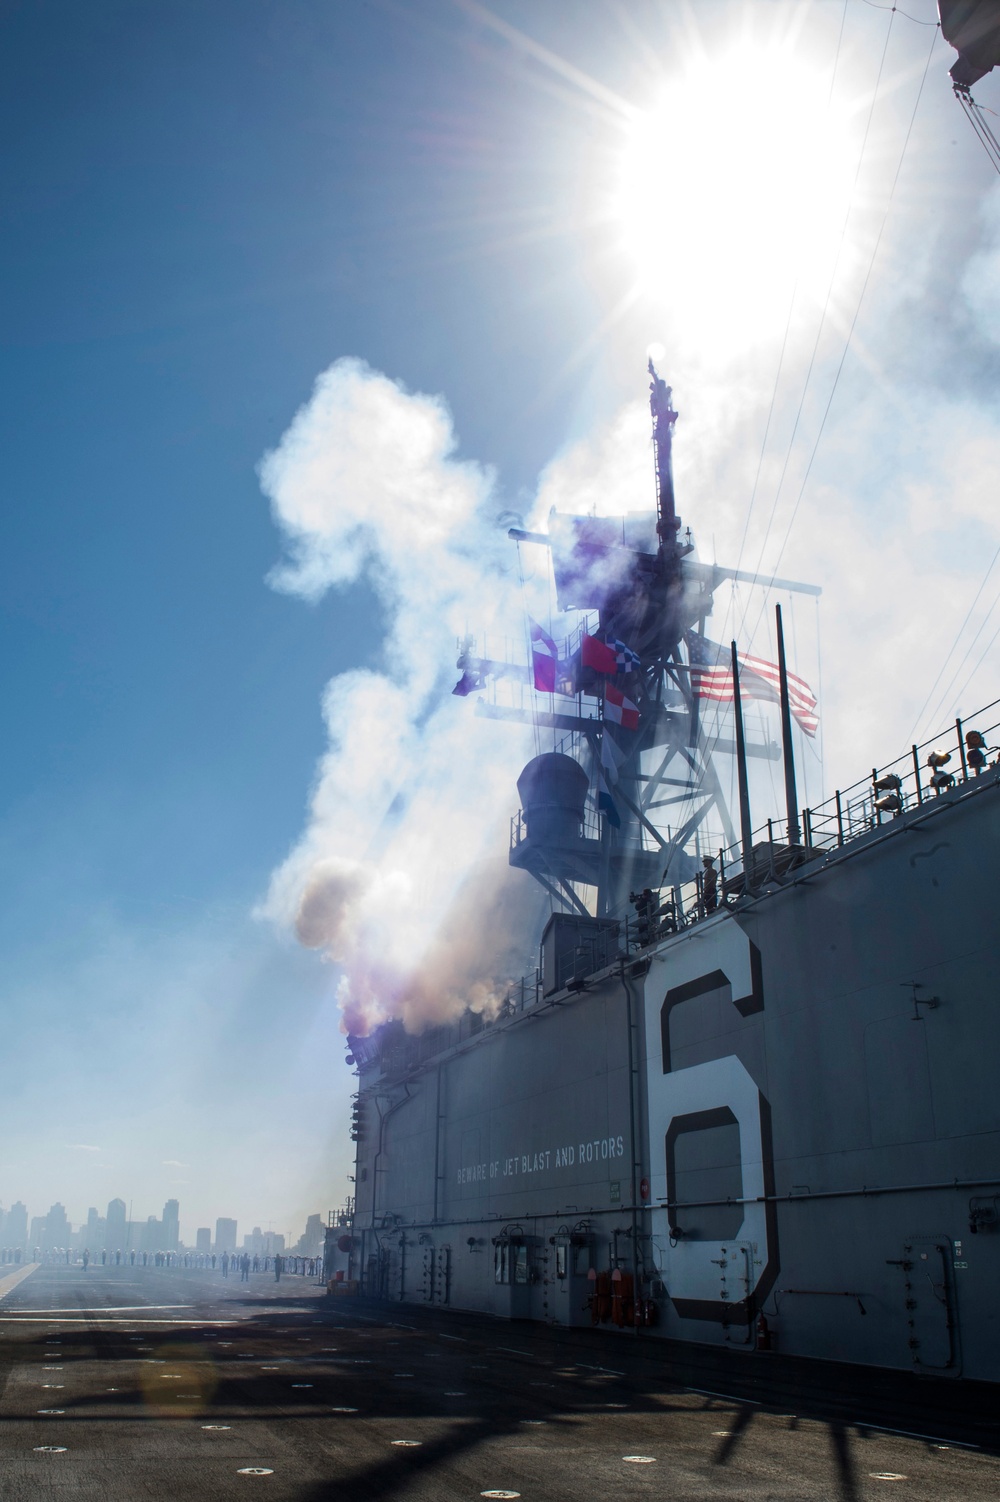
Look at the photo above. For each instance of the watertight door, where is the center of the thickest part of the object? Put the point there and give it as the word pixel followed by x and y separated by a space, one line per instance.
pixel 569 1288
pixel 427 1274
pixel 928 1296
pixel 442 1276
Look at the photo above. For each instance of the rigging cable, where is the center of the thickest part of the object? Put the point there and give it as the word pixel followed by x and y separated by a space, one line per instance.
pixel 905 13
pixel 968 652
pixel 781 359
pixel 958 637
pixel 822 720
pixel 763 448
pixel 803 762
pixel 536 733
pixel 975 670
pixel 820 327
pixel 979 123
pixel 535 727
pixel 857 311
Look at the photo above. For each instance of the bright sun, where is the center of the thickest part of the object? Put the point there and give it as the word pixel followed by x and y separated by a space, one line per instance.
pixel 733 191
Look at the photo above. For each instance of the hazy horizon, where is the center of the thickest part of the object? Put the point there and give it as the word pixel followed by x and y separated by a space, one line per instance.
pixel 136 1221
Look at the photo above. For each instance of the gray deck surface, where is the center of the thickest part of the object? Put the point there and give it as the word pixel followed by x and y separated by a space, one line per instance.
pixel 502 1409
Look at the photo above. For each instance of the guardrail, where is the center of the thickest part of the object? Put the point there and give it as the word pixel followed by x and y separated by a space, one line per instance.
pixel 906 782
pixel 960 754
pixel 590 826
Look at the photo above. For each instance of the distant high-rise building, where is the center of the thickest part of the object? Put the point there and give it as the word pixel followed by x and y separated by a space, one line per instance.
pixel 263 1243
pixel 310 1243
pixel 171 1226
pixel 225 1235
pixel 57 1228
pixel 203 1239
pixel 151 1235
pixel 15 1226
pixel 38 1240
pixel 91 1235
pixel 116 1227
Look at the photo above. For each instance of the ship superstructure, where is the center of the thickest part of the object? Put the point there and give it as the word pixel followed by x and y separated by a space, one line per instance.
pixel 630 795
pixel 749 1095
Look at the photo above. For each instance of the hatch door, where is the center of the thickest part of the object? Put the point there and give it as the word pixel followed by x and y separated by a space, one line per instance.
pixel 442 1276
pixel 427 1281
pixel 929 1304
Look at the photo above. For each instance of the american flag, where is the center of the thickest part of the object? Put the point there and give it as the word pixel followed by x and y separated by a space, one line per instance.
pixel 712 678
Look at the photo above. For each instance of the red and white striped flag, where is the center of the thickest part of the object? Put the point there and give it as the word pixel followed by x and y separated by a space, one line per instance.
pixel 544 660
pixel 712 678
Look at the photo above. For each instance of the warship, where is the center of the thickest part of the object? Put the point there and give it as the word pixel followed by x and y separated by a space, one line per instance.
pixel 749 1096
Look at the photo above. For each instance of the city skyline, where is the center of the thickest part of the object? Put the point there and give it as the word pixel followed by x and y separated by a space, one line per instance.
pixel 204 1171
pixel 120 1229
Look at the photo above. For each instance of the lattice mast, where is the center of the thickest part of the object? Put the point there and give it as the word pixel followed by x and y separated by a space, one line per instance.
pixel 667 784
pixel 655 801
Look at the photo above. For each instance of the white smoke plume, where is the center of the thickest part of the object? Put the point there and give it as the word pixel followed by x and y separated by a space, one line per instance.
pixel 897 526
pixel 896 523
pixel 414 790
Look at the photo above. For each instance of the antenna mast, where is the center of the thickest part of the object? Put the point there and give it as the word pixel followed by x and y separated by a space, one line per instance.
pixel 631 798
pixel 664 416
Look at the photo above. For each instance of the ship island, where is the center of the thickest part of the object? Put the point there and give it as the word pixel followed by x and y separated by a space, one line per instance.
pixel 747 1098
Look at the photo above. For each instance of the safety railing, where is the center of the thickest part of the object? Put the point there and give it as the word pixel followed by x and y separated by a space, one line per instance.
pixel 962 753
pixel 965 750
pixel 590 826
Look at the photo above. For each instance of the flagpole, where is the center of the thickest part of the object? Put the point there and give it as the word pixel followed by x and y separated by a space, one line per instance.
pixel 746 832
pixel 787 753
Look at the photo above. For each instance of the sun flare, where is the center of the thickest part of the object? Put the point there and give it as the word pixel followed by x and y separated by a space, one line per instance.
pixel 733 191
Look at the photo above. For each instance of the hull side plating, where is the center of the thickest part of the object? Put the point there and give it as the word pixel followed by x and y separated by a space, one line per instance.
pixel 789 1110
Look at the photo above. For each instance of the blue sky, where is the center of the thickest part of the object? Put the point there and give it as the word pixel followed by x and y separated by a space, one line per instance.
pixel 204 207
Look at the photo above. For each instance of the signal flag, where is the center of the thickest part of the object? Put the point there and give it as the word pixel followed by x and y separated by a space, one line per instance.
pixel 596 654
pixel 607 776
pixel 544 660
pixel 619 710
